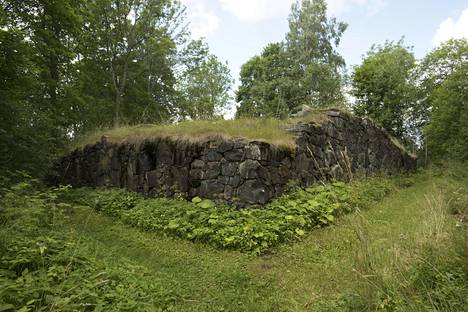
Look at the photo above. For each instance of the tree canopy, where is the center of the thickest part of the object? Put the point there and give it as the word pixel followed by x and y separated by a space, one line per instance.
pixel 204 83
pixel 442 110
pixel 447 131
pixel 433 70
pixel 382 88
pixel 69 67
pixel 304 69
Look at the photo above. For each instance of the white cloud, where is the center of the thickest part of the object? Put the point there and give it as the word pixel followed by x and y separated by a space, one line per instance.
pixel 449 29
pixel 257 10
pixel 202 21
pixel 339 7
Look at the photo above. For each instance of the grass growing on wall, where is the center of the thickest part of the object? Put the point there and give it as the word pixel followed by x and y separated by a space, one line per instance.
pixel 273 131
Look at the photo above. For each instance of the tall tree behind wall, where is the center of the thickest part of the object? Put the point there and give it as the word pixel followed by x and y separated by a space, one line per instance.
pixel 305 69
pixel 441 113
pixel 71 66
pixel 127 57
pixel 311 45
pixel 37 46
pixel 383 87
pixel 203 83
pixel 432 71
pixel 447 131
pixel 266 90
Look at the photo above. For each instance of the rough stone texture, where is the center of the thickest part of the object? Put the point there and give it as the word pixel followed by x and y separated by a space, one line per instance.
pixel 237 171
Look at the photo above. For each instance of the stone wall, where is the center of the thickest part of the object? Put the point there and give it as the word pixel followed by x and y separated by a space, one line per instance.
pixel 237 171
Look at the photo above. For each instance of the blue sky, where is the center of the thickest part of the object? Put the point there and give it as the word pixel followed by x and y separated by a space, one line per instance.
pixel 236 30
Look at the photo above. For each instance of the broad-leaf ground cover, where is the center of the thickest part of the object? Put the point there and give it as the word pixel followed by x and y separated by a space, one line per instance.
pixel 405 252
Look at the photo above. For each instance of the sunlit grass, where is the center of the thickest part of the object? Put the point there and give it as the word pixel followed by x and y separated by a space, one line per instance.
pixel 405 253
pixel 268 130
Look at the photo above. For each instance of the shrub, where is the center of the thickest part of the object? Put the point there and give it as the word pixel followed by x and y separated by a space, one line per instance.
pixel 255 231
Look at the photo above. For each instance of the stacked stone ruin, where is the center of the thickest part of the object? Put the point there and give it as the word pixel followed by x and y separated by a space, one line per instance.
pixel 238 171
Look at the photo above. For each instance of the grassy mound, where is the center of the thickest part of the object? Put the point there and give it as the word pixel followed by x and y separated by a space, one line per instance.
pixel 273 131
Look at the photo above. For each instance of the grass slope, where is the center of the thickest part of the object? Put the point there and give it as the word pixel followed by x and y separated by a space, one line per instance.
pixel 273 131
pixel 365 261
pixel 406 253
pixel 194 277
pixel 268 130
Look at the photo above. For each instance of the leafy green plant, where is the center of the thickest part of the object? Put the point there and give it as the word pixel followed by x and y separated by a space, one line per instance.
pixel 255 231
pixel 46 268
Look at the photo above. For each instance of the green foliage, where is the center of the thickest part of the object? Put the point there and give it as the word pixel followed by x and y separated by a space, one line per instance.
pixel 407 253
pixel 439 277
pixel 312 43
pixel 70 67
pixel 250 230
pixel 433 279
pixel 204 84
pixel 447 131
pixel 432 72
pixel 265 89
pixel 305 69
pixel 382 87
pixel 27 126
pixel 44 268
pixel 114 202
pixel 128 59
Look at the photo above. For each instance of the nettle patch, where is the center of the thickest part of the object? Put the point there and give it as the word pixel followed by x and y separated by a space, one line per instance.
pixel 255 231
pixel 45 266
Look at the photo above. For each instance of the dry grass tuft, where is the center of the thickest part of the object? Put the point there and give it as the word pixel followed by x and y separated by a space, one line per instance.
pixel 272 131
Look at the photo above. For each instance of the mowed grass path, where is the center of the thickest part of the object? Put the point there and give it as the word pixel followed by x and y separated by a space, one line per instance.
pixel 316 274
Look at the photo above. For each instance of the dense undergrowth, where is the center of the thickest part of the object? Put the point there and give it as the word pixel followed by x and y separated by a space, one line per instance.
pixel 46 265
pixel 46 268
pixel 255 231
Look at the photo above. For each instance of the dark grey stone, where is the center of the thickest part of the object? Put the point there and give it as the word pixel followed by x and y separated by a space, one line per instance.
pixel 224 180
pixel 213 170
pixel 152 177
pixel 252 151
pixel 144 163
pixel 211 188
pixel 234 155
pixel 241 172
pixel 254 192
pixel 249 169
pixel 198 164
pixel 234 181
pixel 196 174
pixel 180 179
pixel 164 154
pixel 213 156
pixel 229 168
pixel 225 146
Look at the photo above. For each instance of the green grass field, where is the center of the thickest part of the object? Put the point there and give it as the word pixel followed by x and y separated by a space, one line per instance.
pixel 407 252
